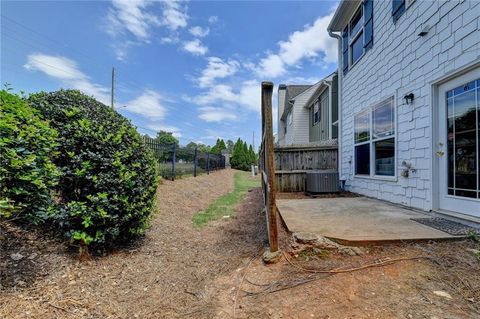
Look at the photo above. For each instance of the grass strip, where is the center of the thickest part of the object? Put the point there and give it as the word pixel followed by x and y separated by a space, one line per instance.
pixel 225 205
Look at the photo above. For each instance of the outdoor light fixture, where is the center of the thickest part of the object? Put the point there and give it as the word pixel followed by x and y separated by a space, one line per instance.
pixel 424 31
pixel 409 98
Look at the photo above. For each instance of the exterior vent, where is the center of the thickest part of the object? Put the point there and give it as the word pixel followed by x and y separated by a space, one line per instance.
pixel 322 181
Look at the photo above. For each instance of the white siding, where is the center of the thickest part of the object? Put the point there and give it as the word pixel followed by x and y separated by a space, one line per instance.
pixel 401 62
pixel 298 132
pixel 280 123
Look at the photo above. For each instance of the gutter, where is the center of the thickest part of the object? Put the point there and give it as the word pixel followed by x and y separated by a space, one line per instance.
pixel 339 96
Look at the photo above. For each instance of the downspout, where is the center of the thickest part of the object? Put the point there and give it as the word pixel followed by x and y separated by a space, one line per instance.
pixel 329 84
pixel 339 96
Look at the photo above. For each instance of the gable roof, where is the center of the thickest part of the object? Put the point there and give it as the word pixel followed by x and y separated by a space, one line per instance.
pixel 294 90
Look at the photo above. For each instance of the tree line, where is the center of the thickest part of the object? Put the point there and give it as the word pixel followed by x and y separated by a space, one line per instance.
pixel 242 156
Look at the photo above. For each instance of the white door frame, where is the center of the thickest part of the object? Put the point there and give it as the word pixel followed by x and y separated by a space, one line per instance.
pixel 435 86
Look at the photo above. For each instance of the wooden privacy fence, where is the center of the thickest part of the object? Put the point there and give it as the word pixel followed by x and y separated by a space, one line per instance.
pixel 267 168
pixel 292 163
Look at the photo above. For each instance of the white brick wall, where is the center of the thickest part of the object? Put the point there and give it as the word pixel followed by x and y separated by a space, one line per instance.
pixel 401 62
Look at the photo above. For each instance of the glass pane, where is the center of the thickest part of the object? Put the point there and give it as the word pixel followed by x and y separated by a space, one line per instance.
pixel 357 48
pixel 356 23
pixel 383 121
pixel 334 131
pixel 362 159
pixel 362 127
pixel 465 193
pixel 465 130
pixel 385 157
pixel 450 157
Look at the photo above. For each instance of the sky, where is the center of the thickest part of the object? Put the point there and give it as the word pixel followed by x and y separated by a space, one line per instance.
pixel 193 68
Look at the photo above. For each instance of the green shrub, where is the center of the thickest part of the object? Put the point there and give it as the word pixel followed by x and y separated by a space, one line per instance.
pixel 108 181
pixel 27 174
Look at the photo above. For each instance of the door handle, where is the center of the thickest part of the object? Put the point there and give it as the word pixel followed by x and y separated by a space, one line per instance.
pixel 440 151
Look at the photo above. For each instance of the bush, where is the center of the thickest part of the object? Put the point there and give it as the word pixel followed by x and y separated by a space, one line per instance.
pixel 108 179
pixel 27 174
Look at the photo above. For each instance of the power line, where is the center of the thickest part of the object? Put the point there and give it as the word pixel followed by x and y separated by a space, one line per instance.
pixel 56 43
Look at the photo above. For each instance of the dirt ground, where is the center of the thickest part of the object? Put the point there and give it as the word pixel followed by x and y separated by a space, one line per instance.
pixel 179 271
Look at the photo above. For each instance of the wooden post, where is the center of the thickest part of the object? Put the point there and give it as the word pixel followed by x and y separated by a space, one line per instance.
pixel 271 208
pixel 174 158
pixel 195 163
pixel 208 163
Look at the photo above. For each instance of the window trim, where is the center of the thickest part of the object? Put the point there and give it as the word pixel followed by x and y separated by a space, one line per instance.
pixel 371 141
pixel 360 32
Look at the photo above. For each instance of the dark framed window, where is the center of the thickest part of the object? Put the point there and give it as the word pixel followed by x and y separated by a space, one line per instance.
pixel 357 35
pixel 398 8
pixel 374 139
pixel 315 113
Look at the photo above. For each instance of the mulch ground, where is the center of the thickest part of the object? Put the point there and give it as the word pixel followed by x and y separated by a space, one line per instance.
pixel 179 271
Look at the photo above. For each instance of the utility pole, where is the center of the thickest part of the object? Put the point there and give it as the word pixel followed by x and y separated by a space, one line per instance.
pixel 113 88
pixel 253 141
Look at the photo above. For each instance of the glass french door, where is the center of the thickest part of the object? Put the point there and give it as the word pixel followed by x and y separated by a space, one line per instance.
pixel 458 148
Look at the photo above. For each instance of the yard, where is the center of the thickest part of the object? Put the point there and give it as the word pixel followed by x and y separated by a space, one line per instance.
pixel 201 258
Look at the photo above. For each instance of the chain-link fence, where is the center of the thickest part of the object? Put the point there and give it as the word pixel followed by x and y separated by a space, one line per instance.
pixel 177 161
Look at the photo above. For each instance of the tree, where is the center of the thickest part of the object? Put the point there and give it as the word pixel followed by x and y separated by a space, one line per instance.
pixel 241 156
pixel 219 147
pixel 166 138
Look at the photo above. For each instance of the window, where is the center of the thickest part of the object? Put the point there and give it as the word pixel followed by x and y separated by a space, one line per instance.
pixel 398 7
pixel 357 35
pixel 290 118
pixel 319 107
pixel 315 113
pixel 374 138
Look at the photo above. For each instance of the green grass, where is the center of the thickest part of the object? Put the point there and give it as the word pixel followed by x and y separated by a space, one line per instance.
pixel 225 205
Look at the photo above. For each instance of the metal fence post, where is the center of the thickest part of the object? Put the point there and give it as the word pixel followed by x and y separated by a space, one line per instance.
pixel 208 163
pixel 173 160
pixel 195 163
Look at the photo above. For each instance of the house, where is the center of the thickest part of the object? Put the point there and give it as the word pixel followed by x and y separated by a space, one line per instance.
pixel 409 102
pixel 307 114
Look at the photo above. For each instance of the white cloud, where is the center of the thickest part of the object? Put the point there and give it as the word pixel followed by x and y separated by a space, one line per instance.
pixel 67 71
pixel 149 104
pixel 127 18
pixel 156 127
pixel 212 19
pixel 199 31
pixel 174 15
pixel 308 43
pixel 217 68
pixel 248 96
pixel 131 16
pixel 216 114
pixel 195 47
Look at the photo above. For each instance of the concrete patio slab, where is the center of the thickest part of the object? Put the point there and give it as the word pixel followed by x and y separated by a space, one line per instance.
pixel 356 220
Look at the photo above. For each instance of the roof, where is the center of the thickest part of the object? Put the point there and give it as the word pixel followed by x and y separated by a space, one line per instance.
pixel 294 90
pixel 342 15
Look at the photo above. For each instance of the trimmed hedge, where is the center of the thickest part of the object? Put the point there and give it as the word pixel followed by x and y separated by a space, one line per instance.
pixel 108 176
pixel 27 173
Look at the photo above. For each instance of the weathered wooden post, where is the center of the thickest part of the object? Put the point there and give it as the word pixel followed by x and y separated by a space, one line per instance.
pixel 269 171
pixel 208 163
pixel 174 158
pixel 195 163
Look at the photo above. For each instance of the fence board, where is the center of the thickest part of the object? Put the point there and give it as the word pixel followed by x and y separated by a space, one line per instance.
pixel 291 164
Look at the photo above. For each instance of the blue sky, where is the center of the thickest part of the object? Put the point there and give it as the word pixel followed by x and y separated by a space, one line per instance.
pixel 193 68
